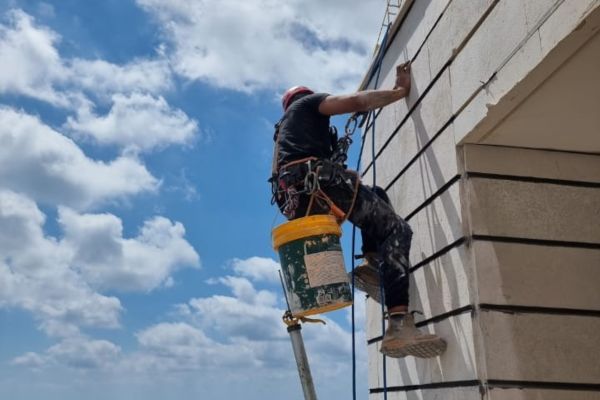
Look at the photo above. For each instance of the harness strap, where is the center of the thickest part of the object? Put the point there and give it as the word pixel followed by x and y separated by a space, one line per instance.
pixel 336 211
pixel 339 157
pixel 275 149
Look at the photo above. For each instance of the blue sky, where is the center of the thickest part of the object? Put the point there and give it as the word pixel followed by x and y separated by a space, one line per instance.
pixel 135 144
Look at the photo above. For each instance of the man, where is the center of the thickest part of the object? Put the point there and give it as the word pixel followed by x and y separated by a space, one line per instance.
pixel 304 146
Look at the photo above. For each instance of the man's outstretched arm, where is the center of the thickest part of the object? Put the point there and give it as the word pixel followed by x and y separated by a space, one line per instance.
pixel 367 100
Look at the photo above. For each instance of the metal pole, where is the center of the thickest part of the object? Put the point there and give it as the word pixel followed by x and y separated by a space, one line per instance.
pixel 295 330
pixel 302 362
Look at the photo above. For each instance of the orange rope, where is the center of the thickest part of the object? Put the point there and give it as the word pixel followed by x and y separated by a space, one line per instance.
pixel 336 211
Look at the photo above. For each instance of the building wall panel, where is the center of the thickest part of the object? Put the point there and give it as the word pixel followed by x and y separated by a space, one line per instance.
pixel 540 276
pixel 540 211
pixel 541 348
pixel 514 161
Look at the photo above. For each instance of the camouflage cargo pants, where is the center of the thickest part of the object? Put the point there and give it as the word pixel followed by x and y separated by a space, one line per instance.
pixel 383 231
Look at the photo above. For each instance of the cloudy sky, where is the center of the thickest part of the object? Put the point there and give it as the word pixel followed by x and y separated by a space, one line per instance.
pixel 135 144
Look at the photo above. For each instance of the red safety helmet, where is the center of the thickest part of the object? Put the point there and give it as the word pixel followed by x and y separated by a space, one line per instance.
pixel 289 94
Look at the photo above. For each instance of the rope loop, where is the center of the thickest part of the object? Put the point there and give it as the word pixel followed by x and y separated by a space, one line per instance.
pixel 311 182
pixel 291 320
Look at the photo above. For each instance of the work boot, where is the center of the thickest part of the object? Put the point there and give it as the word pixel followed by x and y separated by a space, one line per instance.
pixel 366 277
pixel 402 338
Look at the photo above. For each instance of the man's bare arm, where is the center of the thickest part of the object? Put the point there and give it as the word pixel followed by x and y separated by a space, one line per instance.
pixel 367 100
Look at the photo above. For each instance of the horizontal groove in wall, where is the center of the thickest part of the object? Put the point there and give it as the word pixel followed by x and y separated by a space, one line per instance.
pixel 435 385
pixel 517 309
pixel 536 242
pixel 432 320
pixel 503 308
pixel 493 384
pixel 434 196
pixel 503 384
pixel 446 315
pixel 374 340
pixel 532 179
pixel 438 253
pixel 547 150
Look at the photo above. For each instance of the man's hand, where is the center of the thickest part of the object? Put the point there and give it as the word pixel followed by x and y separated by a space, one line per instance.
pixel 367 100
pixel 403 77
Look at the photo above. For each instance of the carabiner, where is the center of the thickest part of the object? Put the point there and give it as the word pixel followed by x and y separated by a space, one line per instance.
pixel 350 129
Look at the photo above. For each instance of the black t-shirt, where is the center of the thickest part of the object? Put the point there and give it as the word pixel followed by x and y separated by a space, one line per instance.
pixel 304 131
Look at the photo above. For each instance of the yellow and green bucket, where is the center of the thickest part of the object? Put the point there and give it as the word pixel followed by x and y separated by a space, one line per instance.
pixel 312 264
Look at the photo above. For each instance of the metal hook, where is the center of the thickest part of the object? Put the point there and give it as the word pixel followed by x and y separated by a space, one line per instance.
pixel 350 129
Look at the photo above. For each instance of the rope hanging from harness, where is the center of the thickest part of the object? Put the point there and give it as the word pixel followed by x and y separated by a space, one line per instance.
pixel 377 71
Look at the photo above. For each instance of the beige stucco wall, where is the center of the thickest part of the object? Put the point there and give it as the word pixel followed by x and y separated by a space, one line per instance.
pixel 494 159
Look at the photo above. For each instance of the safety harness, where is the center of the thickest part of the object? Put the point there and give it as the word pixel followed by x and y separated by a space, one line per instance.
pixel 308 176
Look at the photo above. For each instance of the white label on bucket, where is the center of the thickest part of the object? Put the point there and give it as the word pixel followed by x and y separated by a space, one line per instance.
pixel 325 268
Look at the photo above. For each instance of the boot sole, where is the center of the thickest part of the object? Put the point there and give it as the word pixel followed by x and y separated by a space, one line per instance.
pixel 421 348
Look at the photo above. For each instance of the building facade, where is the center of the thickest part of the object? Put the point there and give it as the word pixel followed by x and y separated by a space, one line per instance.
pixel 494 160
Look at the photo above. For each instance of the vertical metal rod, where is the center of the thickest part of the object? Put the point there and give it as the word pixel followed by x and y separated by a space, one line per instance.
pixel 295 331
pixel 302 362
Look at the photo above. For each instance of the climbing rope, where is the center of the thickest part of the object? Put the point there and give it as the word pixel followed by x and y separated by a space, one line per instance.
pixel 351 126
pixel 383 44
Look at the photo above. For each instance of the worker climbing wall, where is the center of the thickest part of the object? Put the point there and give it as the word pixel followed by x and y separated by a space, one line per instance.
pixel 494 160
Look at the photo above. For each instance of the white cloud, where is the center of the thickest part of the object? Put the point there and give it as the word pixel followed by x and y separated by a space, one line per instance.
pixel 243 289
pixel 137 121
pixel 106 260
pixel 83 353
pixel 52 169
pixel 258 269
pixel 237 316
pixel 180 346
pixel 238 336
pixel 220 334
pixel 29 359
pixel 37 70
pixel 139 117
pixel 245 45
pixel 76 352
pixel 57 280
pixel 173 339
pixel 35 274
pixel 252 318
pixel 35 65
pixel 102 77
